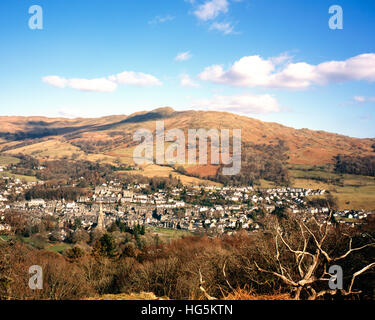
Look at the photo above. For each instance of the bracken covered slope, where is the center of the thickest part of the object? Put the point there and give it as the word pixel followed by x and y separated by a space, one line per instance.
pixel 111 138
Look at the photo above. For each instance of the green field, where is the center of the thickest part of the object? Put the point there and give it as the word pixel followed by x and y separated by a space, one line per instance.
pixel 33 242
pixel 59 247
pixel 265 184
pixel 352 191
pixel 168 234
pixel 7 160
pixel 18 176
pixel 314 174
pixel 347 220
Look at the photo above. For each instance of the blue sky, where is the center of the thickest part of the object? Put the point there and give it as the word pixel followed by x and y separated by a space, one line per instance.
pixel 275 60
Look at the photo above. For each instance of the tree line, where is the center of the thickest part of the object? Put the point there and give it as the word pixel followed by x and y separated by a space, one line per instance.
pixel 355 165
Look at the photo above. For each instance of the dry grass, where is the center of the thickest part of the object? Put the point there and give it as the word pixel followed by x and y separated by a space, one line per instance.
pixel 7 160
pixel 266 184
pixel 357 192
pixel 55 149
pixel 244 294
pixel 153 170
pixel 239 294
pixel 202 171
pixel 125 154
pixel 18 176
pixel 306 146
pixel 128 297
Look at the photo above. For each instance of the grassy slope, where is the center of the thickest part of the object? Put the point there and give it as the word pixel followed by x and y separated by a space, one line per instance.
pixel 164 172
pixel 306 146
pixel 54 149
pixel 7 160
pixel 168 234
pixel 356 192
pixel 18 176
pixel 59 247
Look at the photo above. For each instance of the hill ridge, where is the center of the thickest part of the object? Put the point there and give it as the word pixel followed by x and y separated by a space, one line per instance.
pixel 90 135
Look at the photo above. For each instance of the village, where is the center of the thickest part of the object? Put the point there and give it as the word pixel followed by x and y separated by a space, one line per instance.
pixel 197 209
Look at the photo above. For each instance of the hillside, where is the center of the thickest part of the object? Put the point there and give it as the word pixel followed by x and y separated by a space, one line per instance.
pixel 110 139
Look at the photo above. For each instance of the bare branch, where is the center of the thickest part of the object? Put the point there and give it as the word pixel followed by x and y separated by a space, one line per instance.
pixel 355 275
pixel 352 250
pixel 301 256
pixel 201 283
pixel 282 277
pixel 290 249
pixel 318 244
pixel 225 277
pixel 278 256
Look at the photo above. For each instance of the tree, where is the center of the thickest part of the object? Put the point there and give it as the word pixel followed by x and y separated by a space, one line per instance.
pixel 107 246
pixel 129 250
pixel 113 227
pixel 308 274
pixel 77 224
pixel 142 230
pixel 280 212
pixel 95 235
pixel 80 236
pixel 328 201
pixel 54 236
pixel 74 253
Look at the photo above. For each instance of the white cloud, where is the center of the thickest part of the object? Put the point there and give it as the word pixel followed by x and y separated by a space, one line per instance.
pixel 186 81
pixel 224 27
pixel 161 19
pixel 211 9
pixel 245 103
pixel 361 99
pixel 358 100
pixel 183 56
pixel 254 71
pixel 55 81
pixel 98 85
pixel 136 79
pixel 108 84
pixel 281 59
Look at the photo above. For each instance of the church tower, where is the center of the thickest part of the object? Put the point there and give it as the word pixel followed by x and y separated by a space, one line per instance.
pixel 100 224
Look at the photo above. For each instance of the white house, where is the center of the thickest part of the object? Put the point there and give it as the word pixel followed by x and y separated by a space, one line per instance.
pixel 36 203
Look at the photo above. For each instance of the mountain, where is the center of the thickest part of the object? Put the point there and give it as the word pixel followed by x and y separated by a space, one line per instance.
pixel 110 138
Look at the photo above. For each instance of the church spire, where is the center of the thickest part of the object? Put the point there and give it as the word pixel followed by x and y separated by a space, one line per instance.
pixel 100 223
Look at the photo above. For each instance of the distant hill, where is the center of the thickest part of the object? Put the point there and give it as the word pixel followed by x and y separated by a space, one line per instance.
pixel 110 139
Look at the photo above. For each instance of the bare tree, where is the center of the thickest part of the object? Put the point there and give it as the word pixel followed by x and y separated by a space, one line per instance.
pixel 201 287
pixel 309 270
